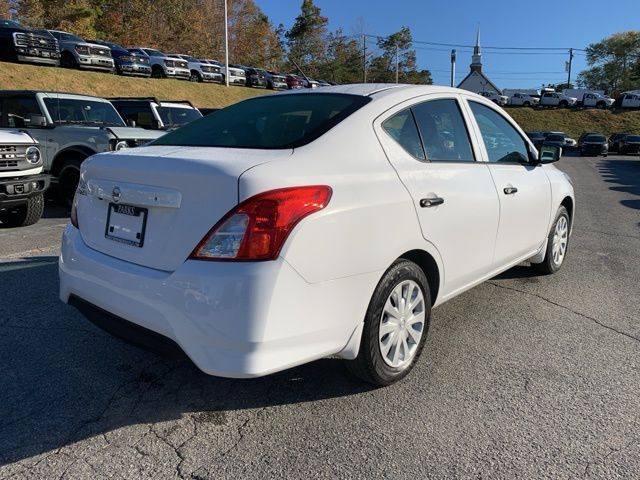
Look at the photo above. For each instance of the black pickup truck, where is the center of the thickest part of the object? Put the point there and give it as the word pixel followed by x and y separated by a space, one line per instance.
pixel 28 45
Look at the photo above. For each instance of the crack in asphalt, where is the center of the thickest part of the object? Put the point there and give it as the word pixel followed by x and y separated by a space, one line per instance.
pixel 605 457
pixel 593 319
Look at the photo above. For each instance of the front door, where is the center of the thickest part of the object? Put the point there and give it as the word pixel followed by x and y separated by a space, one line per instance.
pixel 429 146
pixel 523 189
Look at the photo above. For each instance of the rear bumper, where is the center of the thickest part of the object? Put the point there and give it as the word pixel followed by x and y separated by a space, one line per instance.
pixel 15 191
pixel 232 319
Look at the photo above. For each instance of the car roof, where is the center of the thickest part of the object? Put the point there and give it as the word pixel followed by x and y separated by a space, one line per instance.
pixel 48 93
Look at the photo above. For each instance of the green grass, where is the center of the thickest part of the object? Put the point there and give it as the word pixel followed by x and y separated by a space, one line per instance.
pixel 574 122
pixel 31 77
pixel 19 77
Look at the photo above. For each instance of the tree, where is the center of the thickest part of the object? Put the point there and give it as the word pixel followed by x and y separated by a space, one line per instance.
pixel 5 9
pixel 31 13
pixel 613 63
pixel 306 39
pixel 397 47
pixel 343 59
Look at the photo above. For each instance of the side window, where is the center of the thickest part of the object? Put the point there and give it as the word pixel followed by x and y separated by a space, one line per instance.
pixel 18 111
pixel 443 131
pixel 503 142
pixel 141 115
pixel 402 128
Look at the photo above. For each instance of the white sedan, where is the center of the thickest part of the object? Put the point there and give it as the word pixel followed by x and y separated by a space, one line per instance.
pixel 291 227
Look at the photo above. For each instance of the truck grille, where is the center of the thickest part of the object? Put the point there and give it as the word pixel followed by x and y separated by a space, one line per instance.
pixel 13 157
pixel 32 40
pixel 100 52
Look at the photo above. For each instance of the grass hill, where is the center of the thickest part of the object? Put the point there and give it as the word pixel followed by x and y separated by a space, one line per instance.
pixel 16 76
pixel 24 77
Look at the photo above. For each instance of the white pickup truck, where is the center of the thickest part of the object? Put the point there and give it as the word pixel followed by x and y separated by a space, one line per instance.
pixel 22 183
pixel 555 99
pixel 630 100
pixel 495 97
pixel 523 100
pixel 596 100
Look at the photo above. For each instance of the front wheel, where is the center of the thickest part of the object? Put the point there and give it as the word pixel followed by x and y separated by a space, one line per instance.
pixel 24 215
pixel 395 326
pixel 557 244
pixel 563 104
pixel 526 104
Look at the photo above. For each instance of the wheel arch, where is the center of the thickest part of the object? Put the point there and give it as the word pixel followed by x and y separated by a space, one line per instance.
pixel 567 202
pixel 430 268
pixel 69 153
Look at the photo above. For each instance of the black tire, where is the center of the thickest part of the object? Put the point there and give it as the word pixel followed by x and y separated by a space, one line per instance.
pixel 369 365
pixel 24 215
pixel 195 77
pixel 526 104
pixel 600 105
pixel 69 177
pixel 157 72
pixel 563 104
pixel 67 60
pixel 548 266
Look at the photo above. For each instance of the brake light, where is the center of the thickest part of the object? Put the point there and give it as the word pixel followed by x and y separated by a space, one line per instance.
pixel 257 228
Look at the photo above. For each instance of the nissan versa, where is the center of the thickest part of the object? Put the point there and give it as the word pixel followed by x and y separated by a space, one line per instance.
pixel 295 226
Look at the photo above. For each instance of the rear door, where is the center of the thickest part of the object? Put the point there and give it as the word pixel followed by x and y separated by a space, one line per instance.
pixel 428 143
pixel 524 190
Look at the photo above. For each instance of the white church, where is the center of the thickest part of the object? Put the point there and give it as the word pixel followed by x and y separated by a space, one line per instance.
pixel 477 81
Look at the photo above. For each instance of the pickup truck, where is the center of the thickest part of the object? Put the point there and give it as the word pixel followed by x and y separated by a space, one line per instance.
pixel 76 53
pixel 630 100
pixel 164 66
pixel 596 100
pixel 22 184
pixel 523 100
pixel 201 71
pixel 68 129
pixel 151 113
pixel 27 45
pixel 495 98
pixel 555 99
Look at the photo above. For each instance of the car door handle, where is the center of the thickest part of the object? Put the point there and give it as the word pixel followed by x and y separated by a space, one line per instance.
pixel 510 190
pixel 431 202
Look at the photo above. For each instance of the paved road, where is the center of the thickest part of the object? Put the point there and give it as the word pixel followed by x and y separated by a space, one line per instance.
pixel 524 376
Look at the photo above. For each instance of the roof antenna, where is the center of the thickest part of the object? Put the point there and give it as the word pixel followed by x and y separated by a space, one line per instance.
pixel 300 70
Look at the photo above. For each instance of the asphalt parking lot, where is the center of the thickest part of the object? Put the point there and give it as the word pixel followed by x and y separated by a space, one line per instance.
pixel 523 376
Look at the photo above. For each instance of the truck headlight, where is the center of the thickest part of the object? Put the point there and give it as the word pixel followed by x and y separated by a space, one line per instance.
pixel 82 49
pixel 120 145
pixel 33 155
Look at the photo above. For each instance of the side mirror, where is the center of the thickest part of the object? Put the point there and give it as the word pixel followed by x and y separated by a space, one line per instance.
pixel 37 120
pixel 549 154
pixel 131 122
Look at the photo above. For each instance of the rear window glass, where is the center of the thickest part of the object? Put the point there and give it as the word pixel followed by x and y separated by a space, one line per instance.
pixel 269 122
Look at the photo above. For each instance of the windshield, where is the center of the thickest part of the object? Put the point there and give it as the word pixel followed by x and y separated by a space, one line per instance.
pixel 154 53
pixel 67 37
pixel 82 112
pixel 595 138
pixel 270 122
pixel 9 24
pixel 177 116
pixel 555 138
pixel 632 138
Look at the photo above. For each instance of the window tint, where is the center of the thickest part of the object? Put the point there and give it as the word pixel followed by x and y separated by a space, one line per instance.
pixel 142 115
pixel 269 122
pixel 18 111
pixel 502 141
pixel 443 131
pixel 402 128
pixel 176 116
pixel 67 110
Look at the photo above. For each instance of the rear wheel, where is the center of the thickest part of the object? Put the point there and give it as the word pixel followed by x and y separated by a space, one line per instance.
pixel 69 178
pixel 24 215
pixel 557 244
pixel 395 326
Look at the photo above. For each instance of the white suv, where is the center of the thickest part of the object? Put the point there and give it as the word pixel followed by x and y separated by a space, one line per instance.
pixel 259 238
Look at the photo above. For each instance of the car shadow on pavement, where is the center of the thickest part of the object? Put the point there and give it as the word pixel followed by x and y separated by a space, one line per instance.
pixel 625 174
pixel 63 380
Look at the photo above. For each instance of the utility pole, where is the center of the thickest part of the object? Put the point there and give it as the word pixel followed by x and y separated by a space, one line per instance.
pixel 569 69
pixel 226 44
pixel 364 58
pixel 453 66
pixel 397 62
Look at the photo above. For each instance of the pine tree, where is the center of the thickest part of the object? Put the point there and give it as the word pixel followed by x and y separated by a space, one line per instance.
pixel 5 9
pixel 31 13
pixel 306 39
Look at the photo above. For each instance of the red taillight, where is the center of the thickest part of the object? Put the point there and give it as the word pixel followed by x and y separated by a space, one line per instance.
pixel 257 228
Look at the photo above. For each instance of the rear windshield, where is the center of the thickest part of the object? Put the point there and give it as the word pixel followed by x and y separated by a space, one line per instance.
pixel 595 138
pixel 269 122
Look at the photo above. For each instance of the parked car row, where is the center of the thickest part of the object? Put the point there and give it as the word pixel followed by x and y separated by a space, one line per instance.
pixel 589 143
pixel 568 98
pixel 64 49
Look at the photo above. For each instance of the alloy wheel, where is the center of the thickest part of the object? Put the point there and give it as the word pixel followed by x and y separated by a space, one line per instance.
pixel 560 239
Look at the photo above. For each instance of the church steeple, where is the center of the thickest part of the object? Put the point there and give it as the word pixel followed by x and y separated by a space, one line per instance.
pixel 476 59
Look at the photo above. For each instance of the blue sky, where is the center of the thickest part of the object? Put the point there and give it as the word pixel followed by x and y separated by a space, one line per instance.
pixel 502 23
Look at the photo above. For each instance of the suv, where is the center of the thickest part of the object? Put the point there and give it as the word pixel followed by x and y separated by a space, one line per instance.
pixel 593 144
pixel 151 113
pixel 555 99
pixel 22 184
pixel 255 76
pixel 523 100
pixel 276 81
pixel 68 128
pixel 76 53
pixel 21 44
pixel 164 66
pixel 201 71
pixel 127 63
